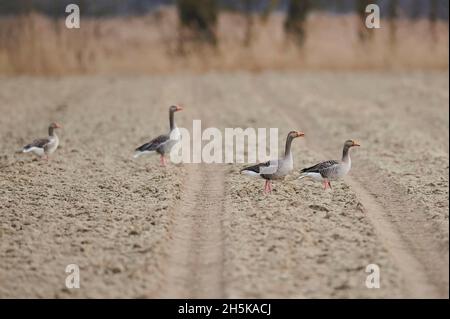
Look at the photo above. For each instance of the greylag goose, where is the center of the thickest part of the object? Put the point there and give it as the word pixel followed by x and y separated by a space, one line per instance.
pixel 163 143
pixel 44 146
pixel 331 170
pixel 275 169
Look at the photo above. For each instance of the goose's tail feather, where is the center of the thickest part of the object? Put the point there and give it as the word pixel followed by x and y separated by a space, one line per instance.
pixel 312 175
pixel 139 153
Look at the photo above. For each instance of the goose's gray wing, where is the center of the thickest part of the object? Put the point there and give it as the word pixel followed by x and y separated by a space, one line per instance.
pixel 40 143
pixel 326 169
pixel 154 143
pixel 258 168
pixel 266 170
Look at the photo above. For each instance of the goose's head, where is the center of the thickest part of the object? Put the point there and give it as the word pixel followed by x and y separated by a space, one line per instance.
pixel 295 134
pixel 351 143
pixel 54 125
pixel 175 108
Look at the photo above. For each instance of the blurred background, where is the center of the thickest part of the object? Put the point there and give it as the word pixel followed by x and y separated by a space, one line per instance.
pixel 165 36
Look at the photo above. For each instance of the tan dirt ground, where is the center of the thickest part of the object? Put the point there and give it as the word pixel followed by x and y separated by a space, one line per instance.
pixel 196 230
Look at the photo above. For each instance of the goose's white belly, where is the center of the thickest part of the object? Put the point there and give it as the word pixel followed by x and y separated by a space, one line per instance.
pixel 52 145
pixel 284 168
pixel 36 150
pixel 342 170
pixel 315 176
pixel 175 134
pixel 174 138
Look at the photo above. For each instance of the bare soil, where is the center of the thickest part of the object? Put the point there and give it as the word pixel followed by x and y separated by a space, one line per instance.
pixel 138 230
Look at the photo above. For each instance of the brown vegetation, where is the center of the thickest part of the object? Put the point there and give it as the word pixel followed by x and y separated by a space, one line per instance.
pixel 34 44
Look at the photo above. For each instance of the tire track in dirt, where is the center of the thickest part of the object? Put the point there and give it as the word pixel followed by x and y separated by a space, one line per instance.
pixel 401 223
pixel 414 234
pixel 194 268
pixel 422 267
pixel 415 276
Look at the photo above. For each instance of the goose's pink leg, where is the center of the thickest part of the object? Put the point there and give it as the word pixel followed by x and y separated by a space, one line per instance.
pixel 270 187
pixel 266 187
pixel 162 160
pixel 325 184
pixel 329 184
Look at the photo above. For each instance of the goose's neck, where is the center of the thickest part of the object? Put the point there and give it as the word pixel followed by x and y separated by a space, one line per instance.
pixel 287 149
pixel 51 131
pixel 172 120
pixel 346 155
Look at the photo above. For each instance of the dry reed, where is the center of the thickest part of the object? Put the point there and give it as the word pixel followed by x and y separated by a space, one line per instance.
pixel 37 45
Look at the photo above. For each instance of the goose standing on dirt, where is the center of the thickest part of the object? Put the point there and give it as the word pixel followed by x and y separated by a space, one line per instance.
pixel 43 147
pixel 331 170
pixel 275 169
pixel 163 143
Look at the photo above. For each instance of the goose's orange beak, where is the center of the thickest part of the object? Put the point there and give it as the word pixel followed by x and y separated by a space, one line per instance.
pixel 300 134
pixel 179 108
pixel 356 144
